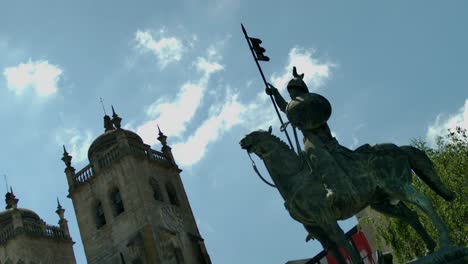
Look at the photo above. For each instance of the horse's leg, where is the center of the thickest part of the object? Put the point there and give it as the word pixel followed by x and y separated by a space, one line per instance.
pixel 336 234
pixel 327 244
pixel 411 195
pixel 402 212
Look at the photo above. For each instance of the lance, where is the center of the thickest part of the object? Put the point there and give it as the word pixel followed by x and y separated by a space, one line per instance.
pixel 257 54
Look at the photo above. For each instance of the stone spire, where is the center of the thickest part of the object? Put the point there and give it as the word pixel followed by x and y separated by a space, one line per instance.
pixel 69 170
pixel 10 200
pixel 60 211
pixel 116 120
pixel 63 223
pixel 166 150
pixel 66 157
pixel 161 137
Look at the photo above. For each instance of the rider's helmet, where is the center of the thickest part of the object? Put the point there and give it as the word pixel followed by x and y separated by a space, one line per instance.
pixel 297 82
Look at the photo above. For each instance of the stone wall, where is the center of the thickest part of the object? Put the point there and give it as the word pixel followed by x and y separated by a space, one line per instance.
pixel 32 249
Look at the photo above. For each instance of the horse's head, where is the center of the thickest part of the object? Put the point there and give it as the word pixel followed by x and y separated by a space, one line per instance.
pixel 282 163
pixel 258 142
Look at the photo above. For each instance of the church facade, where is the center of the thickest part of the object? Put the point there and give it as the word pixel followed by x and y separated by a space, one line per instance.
pixel 26 239
pixel 130 202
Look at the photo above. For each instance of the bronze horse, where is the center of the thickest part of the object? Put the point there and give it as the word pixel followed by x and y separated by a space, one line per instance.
pixel 381 177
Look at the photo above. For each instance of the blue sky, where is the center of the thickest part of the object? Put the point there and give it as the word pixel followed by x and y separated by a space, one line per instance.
pixel 392 71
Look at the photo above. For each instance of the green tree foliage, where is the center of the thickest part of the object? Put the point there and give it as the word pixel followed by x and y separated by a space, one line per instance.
pixel 450 159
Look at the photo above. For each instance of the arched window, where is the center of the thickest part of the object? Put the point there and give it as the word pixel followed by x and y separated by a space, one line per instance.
pixel 117 202
pixel 100 218
pixel 157 194
pixel 171 192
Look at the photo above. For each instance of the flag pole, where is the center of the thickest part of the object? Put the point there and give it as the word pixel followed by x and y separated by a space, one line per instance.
pixel 266 85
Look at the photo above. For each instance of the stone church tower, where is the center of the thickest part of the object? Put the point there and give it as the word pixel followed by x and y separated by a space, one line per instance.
pixel 130 202
pixel 26 239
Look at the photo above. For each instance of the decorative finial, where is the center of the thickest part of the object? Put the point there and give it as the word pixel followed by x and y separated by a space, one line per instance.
pixel 116 120
pixel 162 138
pixel 59 206
pixel 60 211
pixel 102 104
pixel 66 157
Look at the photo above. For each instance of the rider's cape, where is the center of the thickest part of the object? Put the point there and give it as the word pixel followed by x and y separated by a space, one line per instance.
pixel 309 111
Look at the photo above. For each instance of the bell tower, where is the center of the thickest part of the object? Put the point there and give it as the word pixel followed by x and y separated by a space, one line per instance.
pixel 130 202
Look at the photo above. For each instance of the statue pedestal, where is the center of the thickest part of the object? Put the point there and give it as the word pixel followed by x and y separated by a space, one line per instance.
pixel 451 255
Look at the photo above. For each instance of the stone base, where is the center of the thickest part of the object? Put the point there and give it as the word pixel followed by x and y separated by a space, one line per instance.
pixel 451 255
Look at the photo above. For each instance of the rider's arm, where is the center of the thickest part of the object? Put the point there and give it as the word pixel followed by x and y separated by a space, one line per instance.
pixel 278 98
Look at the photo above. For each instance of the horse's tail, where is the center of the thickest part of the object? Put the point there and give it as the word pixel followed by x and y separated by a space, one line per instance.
pixel 424 169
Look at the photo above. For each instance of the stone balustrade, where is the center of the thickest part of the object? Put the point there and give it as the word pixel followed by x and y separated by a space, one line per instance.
pixel 147 151
pixel 109 156
pixel 158 155
pixel 56 232
pixel 35 229
pixel 7 232
pixel 113 153
pixel 84 174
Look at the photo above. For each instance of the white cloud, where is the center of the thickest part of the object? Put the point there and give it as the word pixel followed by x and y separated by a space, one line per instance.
pixel 167 50
pixel 174 114
pixel 315 72
pixel 256 114
pixel 40 76
pixel 207 67
pixel 443 123
pixel 220 120
pixel 77 143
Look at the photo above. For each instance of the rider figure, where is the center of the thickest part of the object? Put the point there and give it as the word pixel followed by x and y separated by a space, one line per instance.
pixel 309 112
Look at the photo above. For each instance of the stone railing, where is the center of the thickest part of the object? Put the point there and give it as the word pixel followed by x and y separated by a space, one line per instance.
pixel 140 150
pixel 84 174
pixel 113 153
pixel 154 154
pixel 146 151
pixel 7 232
pixel 44 230
pixel 35 229
pixel 109 156
pixel 56 232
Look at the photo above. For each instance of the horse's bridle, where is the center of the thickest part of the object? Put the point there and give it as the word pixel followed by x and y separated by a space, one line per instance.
pixel 258 172
pixel 300 152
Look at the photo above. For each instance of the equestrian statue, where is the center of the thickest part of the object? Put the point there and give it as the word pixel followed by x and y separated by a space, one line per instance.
pixel 326 181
